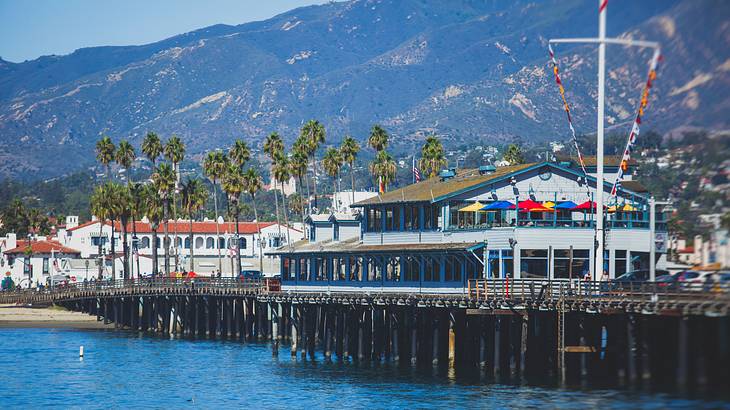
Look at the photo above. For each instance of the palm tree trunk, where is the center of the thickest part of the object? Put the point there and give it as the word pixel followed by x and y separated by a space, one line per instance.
pixel 217 228
pixel 258 229
pixel 135 244
pixel 114 254
pixel 174 218
pixel 301 198
pixel 155 261
pixel 352 176
pixel 309 195
pixel 286 216
pixel 314 178
pixel 101 257
pixel 192 245
pixel 238 243
pixel 125 247
pixel 276 201
pixel 165 242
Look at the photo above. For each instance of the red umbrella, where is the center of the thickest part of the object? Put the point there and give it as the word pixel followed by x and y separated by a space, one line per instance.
pixel 191 274
pixel 532 206
pixel 585 206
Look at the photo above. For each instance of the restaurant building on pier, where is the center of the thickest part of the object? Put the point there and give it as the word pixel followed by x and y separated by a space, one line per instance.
pixel 523 221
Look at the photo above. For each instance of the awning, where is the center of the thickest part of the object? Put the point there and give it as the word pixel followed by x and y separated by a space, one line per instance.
pixel 476 206
pixel 499 206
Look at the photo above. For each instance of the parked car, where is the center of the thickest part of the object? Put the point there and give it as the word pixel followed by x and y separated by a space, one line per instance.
pixel 632 279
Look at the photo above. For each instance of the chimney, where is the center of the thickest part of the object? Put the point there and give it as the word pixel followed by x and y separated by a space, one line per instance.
pixel 72 221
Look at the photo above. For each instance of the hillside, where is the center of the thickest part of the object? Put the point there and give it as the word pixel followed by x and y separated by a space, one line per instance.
pixel 467 70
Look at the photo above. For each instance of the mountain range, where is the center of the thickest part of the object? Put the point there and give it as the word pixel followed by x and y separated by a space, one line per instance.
pixel 469 71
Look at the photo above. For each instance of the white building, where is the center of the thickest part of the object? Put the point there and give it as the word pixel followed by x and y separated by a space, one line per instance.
pixel 33 261
pixel 342 200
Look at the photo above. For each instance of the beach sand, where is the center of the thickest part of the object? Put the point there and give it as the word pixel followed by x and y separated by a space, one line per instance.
pixel 48 317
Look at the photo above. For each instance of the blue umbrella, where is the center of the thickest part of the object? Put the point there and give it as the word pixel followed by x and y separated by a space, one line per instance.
pixel 566 205
pixel 499 206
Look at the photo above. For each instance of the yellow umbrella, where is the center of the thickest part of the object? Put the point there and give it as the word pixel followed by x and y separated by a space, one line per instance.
pixel 476 206
pixel 548 204
pixel 629 208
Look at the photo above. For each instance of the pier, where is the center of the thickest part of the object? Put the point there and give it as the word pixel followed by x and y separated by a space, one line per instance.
pixel 635 334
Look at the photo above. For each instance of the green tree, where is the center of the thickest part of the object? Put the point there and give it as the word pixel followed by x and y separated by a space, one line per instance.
pixel 239 154
pixel 332 162
pixel 274 148
pixel 137 208
pixel 432 156
pixel 252 185
pixel 378 139
pixel 194 198
pixel 175 153
pixel 349 150
pixel 214 166
pixel 152 147
pixel 298 169
pixel 154 211
pixel 314 135
pixel 101 208
pixel 125 155
pixel 513 155
pixel 105 153
pixel 383 168
pixel 164 179
pixel 281 171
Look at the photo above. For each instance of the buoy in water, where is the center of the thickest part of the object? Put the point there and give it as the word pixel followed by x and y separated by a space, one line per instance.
pixel 81 351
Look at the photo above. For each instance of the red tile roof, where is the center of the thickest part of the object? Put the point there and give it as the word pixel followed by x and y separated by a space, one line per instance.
pixel 41 247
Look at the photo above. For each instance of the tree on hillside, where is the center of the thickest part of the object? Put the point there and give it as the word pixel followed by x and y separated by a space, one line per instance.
pixel 349 150
pixel 513 155
pixel 378 139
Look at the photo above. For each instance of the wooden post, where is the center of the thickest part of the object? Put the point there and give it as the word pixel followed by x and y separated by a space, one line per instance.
pixel 452 342
pixel 497 346
pixel 523 345
pixel 294 324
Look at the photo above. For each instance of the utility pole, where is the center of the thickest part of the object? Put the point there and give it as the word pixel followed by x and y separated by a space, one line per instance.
pixel 602 41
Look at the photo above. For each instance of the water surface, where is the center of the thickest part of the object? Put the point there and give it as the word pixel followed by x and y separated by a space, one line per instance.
pixel 41 367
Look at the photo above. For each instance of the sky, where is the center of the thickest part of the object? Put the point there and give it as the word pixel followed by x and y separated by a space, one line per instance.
pixel 32 28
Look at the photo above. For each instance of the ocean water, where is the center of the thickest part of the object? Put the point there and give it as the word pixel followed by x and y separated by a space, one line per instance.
pixel 121 369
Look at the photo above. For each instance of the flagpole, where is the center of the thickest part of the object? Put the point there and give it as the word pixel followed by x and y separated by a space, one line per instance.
pixel 599 135
pixel 413 169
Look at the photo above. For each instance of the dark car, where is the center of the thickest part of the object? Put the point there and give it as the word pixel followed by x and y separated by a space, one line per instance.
pixel 633 279
pixel 250 275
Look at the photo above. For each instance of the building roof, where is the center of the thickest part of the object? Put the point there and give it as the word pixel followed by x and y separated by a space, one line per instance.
pixel 319 217
pixel 355 246
pixel 591 160
pixel 634 186
pixel 41 247
pixel 428 190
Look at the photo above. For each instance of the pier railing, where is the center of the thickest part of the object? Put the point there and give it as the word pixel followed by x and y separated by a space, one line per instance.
pixel 535 289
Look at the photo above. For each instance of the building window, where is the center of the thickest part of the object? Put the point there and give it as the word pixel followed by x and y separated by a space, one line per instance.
pixel 45 266
pixel 209 243
pixel 242 243
pixel 98 240
pixel 355 268
pixel 199 243
pixel 377 220
pixel 27 267
pixel 563 268
pixel 157 243
pixel 319 269
pixel 221 243
pixel 145 242
pixel 304 269
pixel 178 243
pixel 336 231
pixel 389 219
pixel 286 271
pixel 187 243
pixel 393 269
pixel 620 267
pixel 431 218
pixel 453 268
pixel 431 269
pixel 508 265
pixel 493 264
pixel 412 269
pixel 534 263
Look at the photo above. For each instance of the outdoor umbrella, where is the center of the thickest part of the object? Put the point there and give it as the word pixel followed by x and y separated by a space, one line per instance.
pixel 532 206
pixel 585 206
pixel 499 206
pixel 476 206
pixel 566 205
pixel 549 204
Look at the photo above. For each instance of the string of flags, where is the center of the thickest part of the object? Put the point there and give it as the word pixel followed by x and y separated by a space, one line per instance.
pixel 635 127
pixel 559 82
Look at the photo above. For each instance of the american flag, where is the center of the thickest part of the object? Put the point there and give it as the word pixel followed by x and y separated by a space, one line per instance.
pixel 416 172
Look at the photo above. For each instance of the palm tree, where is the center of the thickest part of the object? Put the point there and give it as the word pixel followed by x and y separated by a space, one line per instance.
pixel 115 210
pixel 383 167
pixel 194 198
pixel 123 200
pixel 164 181
pixel 349 150
pixel 314 135
pixel 332 162
pixel 378 139
pixel 513 155
pixel 274 147
pixel 233 184
pixel 300 163
pixel 105 153
pixel 125 155
pixel 137 209
pixel 432 156
pixel 214 167
pixel 152 147
pixel 281 172
pixel 252 184
pixel 175 153
pixel 154 210
pixel 239 153
pixel 99 204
